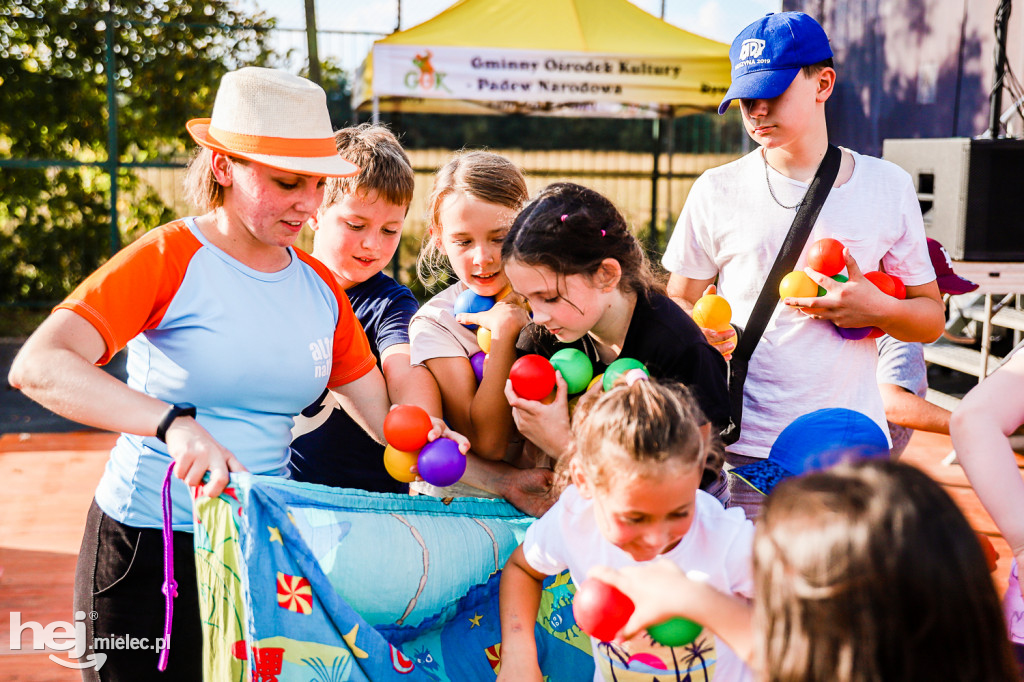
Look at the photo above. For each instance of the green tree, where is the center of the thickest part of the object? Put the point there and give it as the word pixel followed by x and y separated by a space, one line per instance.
pixel 168 57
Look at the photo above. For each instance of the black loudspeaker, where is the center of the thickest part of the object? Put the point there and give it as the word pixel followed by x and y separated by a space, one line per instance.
pixel 971 193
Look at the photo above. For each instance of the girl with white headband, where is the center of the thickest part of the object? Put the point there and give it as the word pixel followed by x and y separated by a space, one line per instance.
pixel 230 332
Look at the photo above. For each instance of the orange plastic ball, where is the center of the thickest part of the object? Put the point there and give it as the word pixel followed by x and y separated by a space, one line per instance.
pixel 797 285
pixel 406 427
pixel 712 312
pixel 399 463
pixel 826 256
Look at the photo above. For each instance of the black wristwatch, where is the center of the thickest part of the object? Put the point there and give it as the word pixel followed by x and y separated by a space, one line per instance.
pixel 177 410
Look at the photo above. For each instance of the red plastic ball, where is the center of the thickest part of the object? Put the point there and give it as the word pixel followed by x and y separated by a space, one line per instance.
pixel 901 288
pixel 883 281
pixel 532 377
pixel 600 609
pixel 875 333
pixel 826 257
pixel 406 427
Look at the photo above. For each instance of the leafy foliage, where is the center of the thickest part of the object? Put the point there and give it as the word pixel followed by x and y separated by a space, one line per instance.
pixel 167 57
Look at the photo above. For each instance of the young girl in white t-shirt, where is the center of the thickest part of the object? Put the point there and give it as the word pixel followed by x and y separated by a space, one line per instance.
pixel 635 468
pixel 865 572
pixel 475 198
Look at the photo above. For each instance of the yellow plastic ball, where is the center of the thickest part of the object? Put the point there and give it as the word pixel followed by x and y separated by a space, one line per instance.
pixel 483 339
pixel 596 380
pixel 398 464
pixel 798 285
pixel 712 312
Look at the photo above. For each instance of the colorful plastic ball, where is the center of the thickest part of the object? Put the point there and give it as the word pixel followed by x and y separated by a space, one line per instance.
pixel 841 278
pixel 712 312
pixel 599 379
pixel 675 632
pixel 575 367
pixel 398 464
pixel 477 362
pixel 826 256
pixel 550 397
pixel 901 288
pixel 532 377
pixel 600 609
pixel 471 302
pixel 483 339
pixel 875 333
pixel 406 427
pixel 797 284
pixel 440 463
pixel 854 333
pixel 883 281
pixel 618 368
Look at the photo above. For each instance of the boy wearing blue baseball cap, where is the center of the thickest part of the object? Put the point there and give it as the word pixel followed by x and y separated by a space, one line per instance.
pixel 737 216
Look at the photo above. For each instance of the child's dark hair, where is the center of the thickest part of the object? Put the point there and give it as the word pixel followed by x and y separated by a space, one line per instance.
pixel 384 167
pixel 649 421
pixel 869 572
pixel 479 174
pixel 812 70
pixel 571 229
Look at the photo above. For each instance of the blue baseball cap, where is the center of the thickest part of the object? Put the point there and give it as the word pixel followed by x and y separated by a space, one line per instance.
pixel 816 441
pixel 767 55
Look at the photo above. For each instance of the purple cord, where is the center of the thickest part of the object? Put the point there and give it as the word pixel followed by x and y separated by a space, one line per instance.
pixel 170 587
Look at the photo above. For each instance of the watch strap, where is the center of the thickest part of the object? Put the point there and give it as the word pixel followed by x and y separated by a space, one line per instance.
pixel 176 410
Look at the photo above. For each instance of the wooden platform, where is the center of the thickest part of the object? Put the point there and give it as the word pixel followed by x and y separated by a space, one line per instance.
pixel 48 482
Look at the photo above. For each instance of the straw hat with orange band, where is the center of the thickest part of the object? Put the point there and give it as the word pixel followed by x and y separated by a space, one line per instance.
pixel 273 118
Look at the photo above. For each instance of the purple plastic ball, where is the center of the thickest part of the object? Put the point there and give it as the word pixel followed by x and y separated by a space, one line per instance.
pixel 854 333
pixel 477 361
pixel 440 463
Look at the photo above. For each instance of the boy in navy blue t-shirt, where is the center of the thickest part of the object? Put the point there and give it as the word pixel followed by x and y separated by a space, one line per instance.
pixel 356 232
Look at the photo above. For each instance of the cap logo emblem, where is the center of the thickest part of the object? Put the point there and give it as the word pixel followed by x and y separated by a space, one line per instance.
pixel 751 48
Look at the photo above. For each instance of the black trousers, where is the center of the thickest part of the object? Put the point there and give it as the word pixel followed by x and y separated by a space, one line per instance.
pixel 119 578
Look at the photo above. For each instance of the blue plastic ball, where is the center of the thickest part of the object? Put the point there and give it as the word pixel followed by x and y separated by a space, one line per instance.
pixel 471 302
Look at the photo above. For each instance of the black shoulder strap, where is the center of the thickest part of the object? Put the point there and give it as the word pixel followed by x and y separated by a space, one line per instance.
pixel 805 218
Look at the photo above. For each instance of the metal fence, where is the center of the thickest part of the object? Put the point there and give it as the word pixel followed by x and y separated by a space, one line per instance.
pixel 648 194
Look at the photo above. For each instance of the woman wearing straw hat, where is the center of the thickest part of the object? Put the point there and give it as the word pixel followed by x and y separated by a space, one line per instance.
pixel 202 304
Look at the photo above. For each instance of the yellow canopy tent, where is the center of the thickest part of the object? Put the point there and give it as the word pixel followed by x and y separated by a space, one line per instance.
pixel 551 57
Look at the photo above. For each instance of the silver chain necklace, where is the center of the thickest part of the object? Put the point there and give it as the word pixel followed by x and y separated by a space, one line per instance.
pixel 772 191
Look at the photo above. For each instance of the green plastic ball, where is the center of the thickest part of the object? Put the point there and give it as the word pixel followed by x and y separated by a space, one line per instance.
pixel 674 632
pixel 618 368
pixel 575 367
